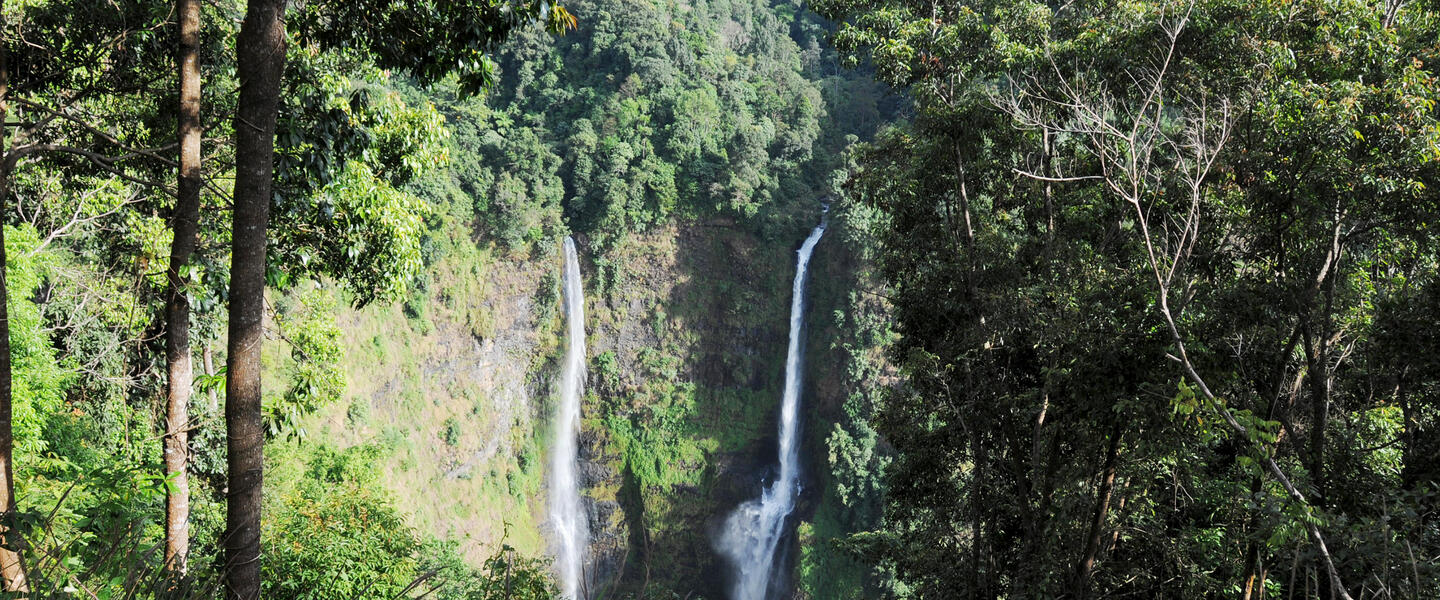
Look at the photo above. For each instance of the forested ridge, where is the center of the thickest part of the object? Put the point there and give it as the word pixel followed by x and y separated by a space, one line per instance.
pixel 1115 299
pixel 1164 278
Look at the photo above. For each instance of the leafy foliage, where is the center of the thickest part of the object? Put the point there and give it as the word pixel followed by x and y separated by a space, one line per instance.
pixel 338 536
pixel 429 39
pixel 650 111
pixel 1087 193
pixel 348 145
pixel 313 370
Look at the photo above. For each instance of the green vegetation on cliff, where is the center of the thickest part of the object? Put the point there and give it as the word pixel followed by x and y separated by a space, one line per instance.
pixel 1116 299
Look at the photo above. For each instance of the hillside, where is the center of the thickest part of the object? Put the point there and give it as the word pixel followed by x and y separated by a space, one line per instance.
pixel 686 293
pixel 725 299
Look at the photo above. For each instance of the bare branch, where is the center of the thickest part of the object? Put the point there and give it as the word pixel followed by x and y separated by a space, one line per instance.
pixel 151 153
pixel 1039 177
pixel 104 162
pixel 76 219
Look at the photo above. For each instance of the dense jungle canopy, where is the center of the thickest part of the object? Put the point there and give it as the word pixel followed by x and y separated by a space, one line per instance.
pixel 1100 299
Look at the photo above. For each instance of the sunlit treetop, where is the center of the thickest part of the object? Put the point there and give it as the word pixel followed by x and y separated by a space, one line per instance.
pixel 429 39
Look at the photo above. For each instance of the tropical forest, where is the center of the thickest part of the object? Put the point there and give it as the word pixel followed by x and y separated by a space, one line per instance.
pixel 719 299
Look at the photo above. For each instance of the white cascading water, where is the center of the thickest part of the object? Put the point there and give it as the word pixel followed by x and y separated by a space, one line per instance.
pixel 752 533
pixel 567 513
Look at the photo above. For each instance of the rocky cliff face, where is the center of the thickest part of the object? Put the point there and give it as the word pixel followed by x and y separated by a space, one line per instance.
pixel 692 323
pixel 455 385
pixel 687 328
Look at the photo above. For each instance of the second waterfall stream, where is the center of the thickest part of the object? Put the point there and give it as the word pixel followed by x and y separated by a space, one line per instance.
pixel 567 512
pixel 752 533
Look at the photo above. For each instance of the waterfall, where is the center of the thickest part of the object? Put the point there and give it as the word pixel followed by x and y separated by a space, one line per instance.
pixel 567 513
pixel 752 533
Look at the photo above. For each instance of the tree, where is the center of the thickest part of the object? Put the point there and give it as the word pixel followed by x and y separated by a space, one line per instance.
pixel 56 128
pixel 12 570
pixel 260 60
pixel 185 223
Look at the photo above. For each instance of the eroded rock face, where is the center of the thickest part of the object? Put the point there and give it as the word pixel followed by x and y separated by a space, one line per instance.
pixel 452 395
pixel 703 306
pixel 694 309
pixel 609 525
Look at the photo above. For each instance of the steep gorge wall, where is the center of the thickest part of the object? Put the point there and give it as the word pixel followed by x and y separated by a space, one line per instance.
pixel 685 145
pixel 694 324
pixel 454 386
pixel 687 328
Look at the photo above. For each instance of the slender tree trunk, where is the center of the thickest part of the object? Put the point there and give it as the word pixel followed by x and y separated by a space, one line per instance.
pixel 1120 514
pixel 12 567
pixel 1415 462
pixel 1102 510
pixel 1321 378
pixel 1048 168
pixel 184 223
pixel 207 358
pixel 1253 569
pixel 260 62
pixel 1037 481
pixel 1320 406
pixel 981 582
pixel 1253 586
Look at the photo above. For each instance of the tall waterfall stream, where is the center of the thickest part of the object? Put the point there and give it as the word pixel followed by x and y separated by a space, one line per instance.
pixel 752 533
pixel 567 512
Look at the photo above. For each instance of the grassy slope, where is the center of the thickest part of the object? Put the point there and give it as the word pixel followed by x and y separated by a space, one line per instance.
pixel 453 386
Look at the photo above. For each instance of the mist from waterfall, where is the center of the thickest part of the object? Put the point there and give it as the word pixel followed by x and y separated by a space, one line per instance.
pixel 752 533
pixel 567 512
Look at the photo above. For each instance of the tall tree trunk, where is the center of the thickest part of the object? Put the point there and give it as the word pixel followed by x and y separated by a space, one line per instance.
pixel 12 567
pixel 179 363
pixel 1047 167
pixel 1321 377
pixel 1253 581
pixel 1120 513
pixel 260 62
pixel 1319 380
pixel 1102 510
